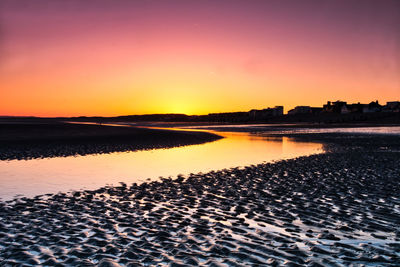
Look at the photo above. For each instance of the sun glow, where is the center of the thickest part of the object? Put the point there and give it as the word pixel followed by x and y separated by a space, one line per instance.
pixel 179 107
pixel 190 57
pixel 178 103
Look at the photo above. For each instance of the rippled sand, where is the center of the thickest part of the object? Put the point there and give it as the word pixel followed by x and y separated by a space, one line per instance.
pixel 334 209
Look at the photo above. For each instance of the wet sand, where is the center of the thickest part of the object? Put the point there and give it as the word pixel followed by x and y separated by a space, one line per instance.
pixel 41 140
pixel 341 208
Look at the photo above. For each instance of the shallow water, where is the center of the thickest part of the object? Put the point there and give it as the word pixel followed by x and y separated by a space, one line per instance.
pixel 52 175
pixel 287 129
pixel 391 130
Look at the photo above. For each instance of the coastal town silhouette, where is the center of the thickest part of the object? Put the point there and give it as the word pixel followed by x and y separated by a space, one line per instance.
pixel 212 133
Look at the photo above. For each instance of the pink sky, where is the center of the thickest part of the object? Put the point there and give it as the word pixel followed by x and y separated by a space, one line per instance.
pixel 68 58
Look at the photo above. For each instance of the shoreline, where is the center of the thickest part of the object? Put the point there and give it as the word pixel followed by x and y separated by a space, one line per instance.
pixel 280 127
pixel 333 208
pixel 30 141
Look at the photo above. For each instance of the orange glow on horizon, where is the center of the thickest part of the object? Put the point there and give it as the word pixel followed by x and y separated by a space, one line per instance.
pixel 76 59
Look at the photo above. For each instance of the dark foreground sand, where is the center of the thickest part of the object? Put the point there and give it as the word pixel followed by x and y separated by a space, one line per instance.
pixel 341 208
pixel 41 140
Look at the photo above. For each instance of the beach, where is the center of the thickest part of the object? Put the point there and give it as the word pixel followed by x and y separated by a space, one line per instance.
pixel 58 139
pixel 340 208
pixel 199 133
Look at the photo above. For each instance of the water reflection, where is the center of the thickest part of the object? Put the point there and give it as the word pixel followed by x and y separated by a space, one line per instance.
pixel 390 130
pixel 40 176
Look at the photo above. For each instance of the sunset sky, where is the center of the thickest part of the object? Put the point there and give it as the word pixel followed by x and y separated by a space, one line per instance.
pixel 70 58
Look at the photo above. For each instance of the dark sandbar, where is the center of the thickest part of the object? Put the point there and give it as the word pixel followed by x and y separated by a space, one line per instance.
pixel 38 140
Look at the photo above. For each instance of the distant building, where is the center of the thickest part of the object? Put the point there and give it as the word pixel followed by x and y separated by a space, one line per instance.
pixel 336 107
pixel 278 111
pixel 316 110
pixel 344 109
pixel 356 108
pixel 265 113
pixel 372 107
pixel 304 110
pixel 300 110
pixel 392 106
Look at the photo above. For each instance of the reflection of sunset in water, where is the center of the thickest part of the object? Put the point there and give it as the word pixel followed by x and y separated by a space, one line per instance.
pixel 41 176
